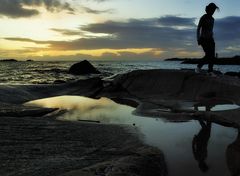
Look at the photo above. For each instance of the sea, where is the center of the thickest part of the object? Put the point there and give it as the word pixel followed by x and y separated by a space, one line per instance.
pixel 47 72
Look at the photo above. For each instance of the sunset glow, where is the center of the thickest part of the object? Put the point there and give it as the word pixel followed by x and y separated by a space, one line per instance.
pixel 111 29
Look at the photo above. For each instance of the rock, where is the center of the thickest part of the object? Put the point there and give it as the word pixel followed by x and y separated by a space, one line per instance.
pixel 175 85
pixel 19 94
pixel 233 74
pixel 166 93
pixel 43 146
pixel 83 67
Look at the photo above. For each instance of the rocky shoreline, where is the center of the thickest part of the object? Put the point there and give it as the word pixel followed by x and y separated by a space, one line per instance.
pixel 33 142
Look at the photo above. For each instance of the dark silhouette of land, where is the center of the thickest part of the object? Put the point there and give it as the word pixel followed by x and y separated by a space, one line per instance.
pixel 218 61
pixel 8 60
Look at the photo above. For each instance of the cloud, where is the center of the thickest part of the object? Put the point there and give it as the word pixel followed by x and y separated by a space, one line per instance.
pixel 173 35
pixel 19 39
pixel 227 33
pixel 228 28
pixel 134 33
pixel 27 8
pixel 67 31
pixel 177 21
pixel 93 11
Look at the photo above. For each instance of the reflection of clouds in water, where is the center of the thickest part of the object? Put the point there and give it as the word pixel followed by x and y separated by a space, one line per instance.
pixel 72 102
pixel 102 114
pixel 83 108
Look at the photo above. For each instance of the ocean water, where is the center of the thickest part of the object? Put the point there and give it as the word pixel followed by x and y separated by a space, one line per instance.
pixel 47 72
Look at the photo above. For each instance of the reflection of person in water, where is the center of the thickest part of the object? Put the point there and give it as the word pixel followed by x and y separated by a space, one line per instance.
pixel 199 145
pixel 233 156
pixel 205 37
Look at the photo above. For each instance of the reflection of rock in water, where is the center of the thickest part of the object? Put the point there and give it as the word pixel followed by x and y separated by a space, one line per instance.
pixel 199 145
pixel 233 156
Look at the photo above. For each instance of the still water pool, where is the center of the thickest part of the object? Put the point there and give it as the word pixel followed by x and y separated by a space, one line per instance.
pixel 190 148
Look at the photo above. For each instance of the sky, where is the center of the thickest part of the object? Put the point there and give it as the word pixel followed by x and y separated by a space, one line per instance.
pixel 113 29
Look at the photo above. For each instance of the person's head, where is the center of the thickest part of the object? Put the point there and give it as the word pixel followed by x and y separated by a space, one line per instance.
pixel 210 8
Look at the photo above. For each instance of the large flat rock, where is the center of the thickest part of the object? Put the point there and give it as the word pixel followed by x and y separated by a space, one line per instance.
pixel 18 94
pixel 168 93
pixel 174 84
pixel 43 146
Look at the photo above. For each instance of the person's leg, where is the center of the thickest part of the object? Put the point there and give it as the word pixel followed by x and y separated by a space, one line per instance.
pixel 211 57
pixel 203 60
pixel 201 63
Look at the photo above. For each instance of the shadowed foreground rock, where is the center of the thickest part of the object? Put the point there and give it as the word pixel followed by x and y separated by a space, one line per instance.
pixel 42 146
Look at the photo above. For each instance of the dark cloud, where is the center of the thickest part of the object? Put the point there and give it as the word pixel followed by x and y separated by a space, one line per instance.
pixel 145 33
pixel 177 21
pixel 67 31
pixel 16 9
pixel 140 33
pixel 93 11
pixel 150 33
pixel 228 28
pixel 227 33
pixel 19 39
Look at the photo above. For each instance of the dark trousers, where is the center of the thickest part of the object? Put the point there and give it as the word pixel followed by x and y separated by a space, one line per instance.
pixel 208 46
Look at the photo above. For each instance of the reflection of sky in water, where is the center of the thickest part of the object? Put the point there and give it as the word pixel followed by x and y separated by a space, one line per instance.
pixel 220 107
pixel 174 139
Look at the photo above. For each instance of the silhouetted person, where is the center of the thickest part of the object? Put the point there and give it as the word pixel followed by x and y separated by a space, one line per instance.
pixel 205 37
pixel 199 145
pixel 233 156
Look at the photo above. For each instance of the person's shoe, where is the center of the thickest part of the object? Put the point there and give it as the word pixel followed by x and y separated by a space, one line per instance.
pixel 198 70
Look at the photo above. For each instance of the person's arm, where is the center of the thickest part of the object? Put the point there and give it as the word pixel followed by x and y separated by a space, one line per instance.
pixel 199 30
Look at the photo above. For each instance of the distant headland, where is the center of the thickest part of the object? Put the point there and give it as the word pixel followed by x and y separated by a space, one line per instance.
pixel 218 61
pixel 14 60
pixel 8 60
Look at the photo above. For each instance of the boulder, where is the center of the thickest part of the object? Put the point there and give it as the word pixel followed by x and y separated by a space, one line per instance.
pixel 83 67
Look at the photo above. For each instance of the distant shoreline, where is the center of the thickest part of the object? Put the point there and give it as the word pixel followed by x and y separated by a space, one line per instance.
pixel 219 61
pixel 15 60
pixel 8 60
